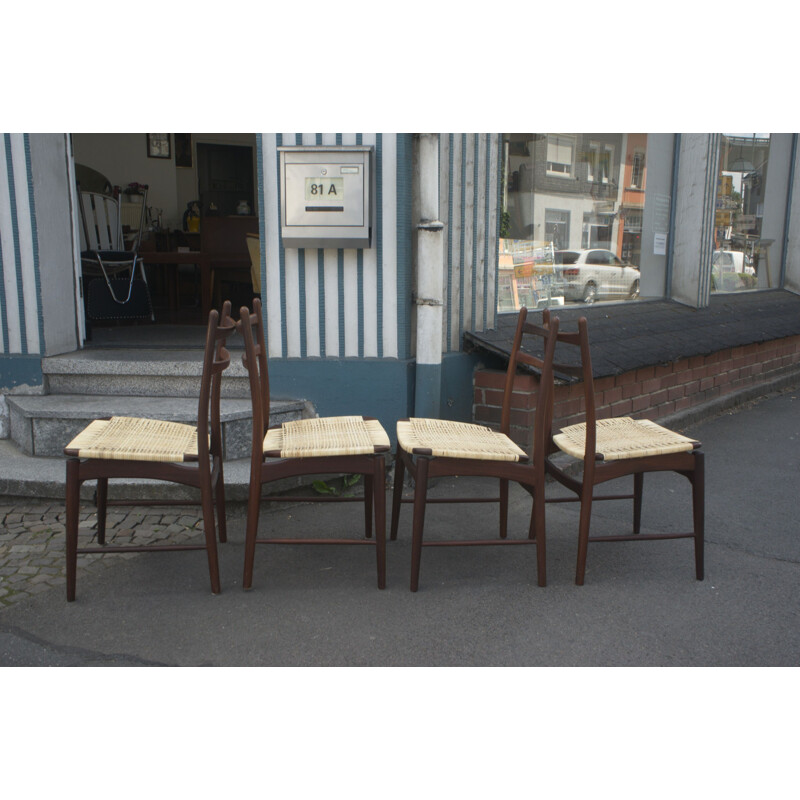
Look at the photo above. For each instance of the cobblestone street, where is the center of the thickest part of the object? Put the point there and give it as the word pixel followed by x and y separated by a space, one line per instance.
pixel 32 540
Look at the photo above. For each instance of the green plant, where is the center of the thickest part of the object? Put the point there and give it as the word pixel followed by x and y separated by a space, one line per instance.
pixel 321 487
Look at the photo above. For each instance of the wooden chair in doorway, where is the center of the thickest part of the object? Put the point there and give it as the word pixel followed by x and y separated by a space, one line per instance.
pixel 323 446
pixel 430 448
pixel 129 447
pixel 614 448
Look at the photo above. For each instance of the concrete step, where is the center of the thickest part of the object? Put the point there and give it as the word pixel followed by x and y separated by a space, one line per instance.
pixel 42 425
pixel 145 373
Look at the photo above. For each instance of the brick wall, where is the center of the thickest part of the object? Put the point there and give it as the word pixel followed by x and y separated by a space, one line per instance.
pixel 647 393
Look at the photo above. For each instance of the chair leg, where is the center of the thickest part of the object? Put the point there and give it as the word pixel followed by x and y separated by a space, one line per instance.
pixel 583 531
pixel 420 497
pixel 503 508
pixel 251 531
pixel 73 502
pixel 102 506
pixel 397 494
pixel 368 493
pixel 698 514
pixel 537 532
pixel 209 531
pixel 638 485
pixel 219 501
pixel 379 489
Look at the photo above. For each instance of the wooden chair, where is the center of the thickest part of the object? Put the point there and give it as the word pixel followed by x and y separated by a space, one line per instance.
pixel 430 448
pixel 326 446
pixel 617 447
pixel 129 447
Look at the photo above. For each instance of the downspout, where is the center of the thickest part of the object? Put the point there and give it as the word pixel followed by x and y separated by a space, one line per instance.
pixel 430 284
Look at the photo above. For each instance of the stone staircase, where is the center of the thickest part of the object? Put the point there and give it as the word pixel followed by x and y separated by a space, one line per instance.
pixel 101 382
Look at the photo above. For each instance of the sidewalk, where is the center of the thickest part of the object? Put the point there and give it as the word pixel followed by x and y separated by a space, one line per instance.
pixel 319 606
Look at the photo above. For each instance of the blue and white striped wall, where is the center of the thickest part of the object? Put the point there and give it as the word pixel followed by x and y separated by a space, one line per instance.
pixel 20 290
pixel 21 324
pixel 339 310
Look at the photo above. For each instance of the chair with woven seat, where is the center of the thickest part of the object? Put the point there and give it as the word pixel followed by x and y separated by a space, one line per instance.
pixel 614 448
pixel 350 445
pixel 131 447
pixel 431 448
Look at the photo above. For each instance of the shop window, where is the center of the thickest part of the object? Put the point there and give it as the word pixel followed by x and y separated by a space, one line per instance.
pixel 741 256
pixel 579 241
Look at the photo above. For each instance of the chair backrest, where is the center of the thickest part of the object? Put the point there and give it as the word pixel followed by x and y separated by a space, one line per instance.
pixel 216 360
pixel 533 346
pixel 251 328
pixel 132 213
pixel 575 361
pixel 101 228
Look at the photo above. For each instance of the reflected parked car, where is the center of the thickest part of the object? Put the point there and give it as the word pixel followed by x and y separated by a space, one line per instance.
pixel 596 274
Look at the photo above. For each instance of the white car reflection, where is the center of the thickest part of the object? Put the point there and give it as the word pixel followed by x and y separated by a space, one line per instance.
pixel 596 274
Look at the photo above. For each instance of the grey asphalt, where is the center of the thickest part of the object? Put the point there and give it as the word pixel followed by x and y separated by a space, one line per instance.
pixel 477 606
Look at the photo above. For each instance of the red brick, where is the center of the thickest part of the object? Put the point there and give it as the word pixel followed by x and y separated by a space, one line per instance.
pixel 651 385
pixel 524 400
pixel 612 396
pixel 644 373
pixel 669 380
pixel 491 379
pixel 487 414
pixel 632 390
pixel 621 409
pixel 493 397
pixel 676 392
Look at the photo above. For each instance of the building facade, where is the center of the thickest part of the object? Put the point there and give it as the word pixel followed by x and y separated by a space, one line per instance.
pixel 466 227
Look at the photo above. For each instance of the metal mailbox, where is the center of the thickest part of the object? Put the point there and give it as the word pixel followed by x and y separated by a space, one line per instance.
pixel 326 196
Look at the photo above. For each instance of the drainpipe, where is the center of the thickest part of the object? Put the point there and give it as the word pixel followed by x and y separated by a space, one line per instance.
pixel 430 284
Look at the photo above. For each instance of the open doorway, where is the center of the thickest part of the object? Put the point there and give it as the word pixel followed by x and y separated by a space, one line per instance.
pixel 201 204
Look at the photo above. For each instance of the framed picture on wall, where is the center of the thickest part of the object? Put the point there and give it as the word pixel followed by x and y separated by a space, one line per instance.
pixel 158 145
pixel 183 149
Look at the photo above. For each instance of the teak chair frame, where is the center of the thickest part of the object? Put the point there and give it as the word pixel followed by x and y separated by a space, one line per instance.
pixel 597 471
pixel 528 472
pixel 267 466
pixel 203 471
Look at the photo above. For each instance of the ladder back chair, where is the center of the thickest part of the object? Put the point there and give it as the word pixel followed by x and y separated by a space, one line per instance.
pixel 617 447
pixel 430 448
pixel 324 446
pixel 131 447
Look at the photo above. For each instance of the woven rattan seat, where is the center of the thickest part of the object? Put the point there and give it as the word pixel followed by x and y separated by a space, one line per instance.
pixel 448 439
pixel 430 448
pixel 335 446
pixel 624 437
pixel 615 448
pixel 135 447
pixel 135 439
pixel 326 436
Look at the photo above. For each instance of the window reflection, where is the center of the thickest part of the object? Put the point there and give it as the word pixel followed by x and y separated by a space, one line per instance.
pixel 739 250
pixel 571 229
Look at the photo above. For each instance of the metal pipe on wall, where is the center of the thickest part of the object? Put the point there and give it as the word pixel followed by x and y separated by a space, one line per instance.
pixel 430 281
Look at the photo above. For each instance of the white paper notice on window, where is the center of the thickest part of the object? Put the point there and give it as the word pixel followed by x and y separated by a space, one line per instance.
pixel 660 244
